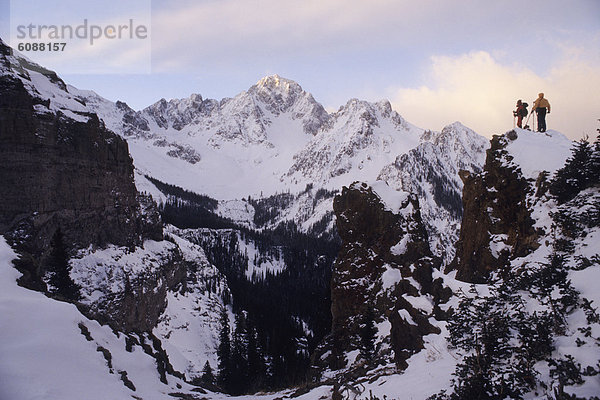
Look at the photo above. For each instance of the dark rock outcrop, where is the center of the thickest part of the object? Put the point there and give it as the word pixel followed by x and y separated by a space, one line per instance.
pixel 62 168
pixel 60 172
pixel 496 224
pixel 385 256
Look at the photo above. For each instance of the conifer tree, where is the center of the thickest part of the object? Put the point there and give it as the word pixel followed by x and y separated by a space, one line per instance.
pixel 207 374
pixel 256 362
pixel 576 175
pixel 60 269
pixel 368 334
pixel 239 354
pixel 338 359
pixel 595 161
pixel 224 352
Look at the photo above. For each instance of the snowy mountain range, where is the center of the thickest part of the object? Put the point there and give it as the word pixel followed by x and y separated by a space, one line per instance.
pixel 272 138
pixel 276 138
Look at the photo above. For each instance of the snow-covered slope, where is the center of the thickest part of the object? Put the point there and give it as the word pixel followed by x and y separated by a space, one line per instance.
pixel 51 351
pixel 44 85
pixel 40 335
pixel 358 141
pixel 265 141
pixel 534 152
pixel 188 325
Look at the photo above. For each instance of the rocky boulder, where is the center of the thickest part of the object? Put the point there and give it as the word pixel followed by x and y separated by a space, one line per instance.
pixel 128 289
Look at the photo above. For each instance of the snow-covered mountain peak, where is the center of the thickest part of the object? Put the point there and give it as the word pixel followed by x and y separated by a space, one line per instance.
pixel 355 104
pixel 451 132
pixel 360 139
pixel 279 95
pixel 385 106
pixel 456 125
pixel 458 139
pixel 357 110
pixel 369 115
pixel 277 83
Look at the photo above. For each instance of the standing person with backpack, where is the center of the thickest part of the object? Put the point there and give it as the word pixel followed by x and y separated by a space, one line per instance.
pixel 540 106
pixel 520 112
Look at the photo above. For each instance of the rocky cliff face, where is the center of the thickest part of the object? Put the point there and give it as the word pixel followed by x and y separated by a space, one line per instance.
pixel 496 225
pixel 61 168
pixel 128 289
pixel 385 268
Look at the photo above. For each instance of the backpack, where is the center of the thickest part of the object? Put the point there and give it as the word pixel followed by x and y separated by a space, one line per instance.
pixel 524 109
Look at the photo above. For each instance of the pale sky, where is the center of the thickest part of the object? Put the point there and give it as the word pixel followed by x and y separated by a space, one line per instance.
pixel 436 61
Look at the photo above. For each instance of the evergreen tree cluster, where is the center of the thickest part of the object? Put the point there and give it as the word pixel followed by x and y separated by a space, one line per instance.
pixel 169 190
pixel 578 216
pixel 242 364
pixel 278 307
pixel 321 228
pixel 502 339
pixel 577 212
pixel 445 194
pixel 184 214
pixel 266 209
pixel 323 193
pixel 59 270
pixel 581 171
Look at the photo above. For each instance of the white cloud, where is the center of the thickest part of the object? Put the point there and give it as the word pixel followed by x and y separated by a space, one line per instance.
pixel 480 92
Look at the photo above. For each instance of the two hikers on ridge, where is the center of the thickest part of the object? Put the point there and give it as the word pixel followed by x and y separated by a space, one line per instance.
pixel 540 105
